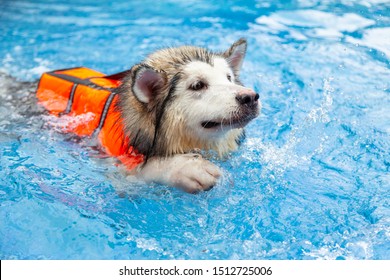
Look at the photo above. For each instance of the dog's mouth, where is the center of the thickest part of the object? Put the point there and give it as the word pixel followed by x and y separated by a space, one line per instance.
pixel 210 124
pixel 228 123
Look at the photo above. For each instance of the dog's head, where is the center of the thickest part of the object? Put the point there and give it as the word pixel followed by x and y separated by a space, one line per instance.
pixel 184 98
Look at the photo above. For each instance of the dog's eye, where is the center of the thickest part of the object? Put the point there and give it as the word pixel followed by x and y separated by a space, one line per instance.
pixel 198 85
pixel 229 77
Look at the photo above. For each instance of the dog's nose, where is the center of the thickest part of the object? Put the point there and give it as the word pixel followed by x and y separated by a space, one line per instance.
pixel 247 97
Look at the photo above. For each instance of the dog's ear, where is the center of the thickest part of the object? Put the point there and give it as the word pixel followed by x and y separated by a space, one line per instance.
pixel 147 82
pixel 235 54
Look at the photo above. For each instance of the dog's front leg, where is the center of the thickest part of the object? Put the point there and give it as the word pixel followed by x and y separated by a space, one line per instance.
pixel 190 172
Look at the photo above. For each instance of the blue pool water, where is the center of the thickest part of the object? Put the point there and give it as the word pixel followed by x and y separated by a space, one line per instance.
pixel 311 181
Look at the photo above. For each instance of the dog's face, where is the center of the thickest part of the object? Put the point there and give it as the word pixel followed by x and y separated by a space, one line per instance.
pixel 211 100
pixel 193 98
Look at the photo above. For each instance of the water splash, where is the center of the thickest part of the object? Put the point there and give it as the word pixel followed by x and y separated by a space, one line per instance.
pixel 320 114
pixel 68 123
pixel 37 68
pixel 296 152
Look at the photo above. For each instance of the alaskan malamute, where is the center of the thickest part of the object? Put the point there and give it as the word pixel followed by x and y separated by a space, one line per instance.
pixel 183 99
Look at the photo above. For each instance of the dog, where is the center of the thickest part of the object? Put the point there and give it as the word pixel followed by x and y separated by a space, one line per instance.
pixel 183 99
pixel 155 115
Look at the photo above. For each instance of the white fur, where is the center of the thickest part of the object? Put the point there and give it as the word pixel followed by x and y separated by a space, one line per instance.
pixel 216 102
pixel 190 172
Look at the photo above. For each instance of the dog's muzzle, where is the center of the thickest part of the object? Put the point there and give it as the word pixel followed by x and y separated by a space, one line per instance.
pixel 247 97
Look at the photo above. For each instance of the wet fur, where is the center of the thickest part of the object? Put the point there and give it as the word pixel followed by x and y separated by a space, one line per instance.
pixel 155 129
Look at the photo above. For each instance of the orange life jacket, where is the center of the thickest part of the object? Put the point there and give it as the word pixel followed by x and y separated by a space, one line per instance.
pixel 87 97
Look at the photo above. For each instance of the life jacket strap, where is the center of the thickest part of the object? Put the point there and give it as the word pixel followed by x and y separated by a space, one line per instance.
pixel 70 101
pixel 76 80
pixel 103 116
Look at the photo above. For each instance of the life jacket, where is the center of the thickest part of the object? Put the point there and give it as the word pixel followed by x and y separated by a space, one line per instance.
pixel 86 98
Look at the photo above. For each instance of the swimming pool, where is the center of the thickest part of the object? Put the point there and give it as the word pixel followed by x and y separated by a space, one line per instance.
pixel 311 181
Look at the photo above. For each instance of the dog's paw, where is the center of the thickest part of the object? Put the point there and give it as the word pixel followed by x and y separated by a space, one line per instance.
pixel 193 173
pixel 190 172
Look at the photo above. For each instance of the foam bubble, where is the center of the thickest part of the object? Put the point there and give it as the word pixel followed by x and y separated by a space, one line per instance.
pixel 317 23
pixel 374 38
